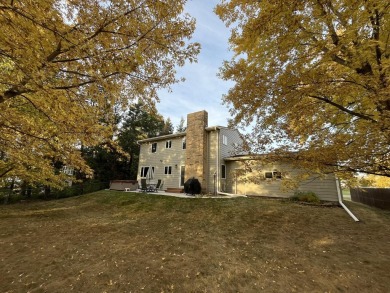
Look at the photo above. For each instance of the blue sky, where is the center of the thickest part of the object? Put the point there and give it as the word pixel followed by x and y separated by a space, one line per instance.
pixel 202 89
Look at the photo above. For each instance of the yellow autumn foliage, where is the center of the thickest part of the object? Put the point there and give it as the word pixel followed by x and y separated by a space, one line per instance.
pixel 314 78
pixel 67 66
pixel 374 181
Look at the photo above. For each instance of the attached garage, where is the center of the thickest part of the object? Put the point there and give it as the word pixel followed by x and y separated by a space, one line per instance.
pixel 248 176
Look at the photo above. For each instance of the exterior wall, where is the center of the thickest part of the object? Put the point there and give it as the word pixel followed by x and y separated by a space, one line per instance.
pixel 216 151
pixel 196 153
pixel 234 140
pixel 174 157
pixel 231 148
pixel 251 182
pixel 212 156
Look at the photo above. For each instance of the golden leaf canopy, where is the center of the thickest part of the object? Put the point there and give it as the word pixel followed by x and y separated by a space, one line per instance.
pixel 313 77
pixel 67 66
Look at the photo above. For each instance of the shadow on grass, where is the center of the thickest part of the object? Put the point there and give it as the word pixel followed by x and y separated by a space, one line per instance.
pixel 120 242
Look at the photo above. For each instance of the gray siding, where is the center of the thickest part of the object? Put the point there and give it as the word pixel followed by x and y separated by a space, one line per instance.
pixel 233 141
pixel 231 148
pixel 217 151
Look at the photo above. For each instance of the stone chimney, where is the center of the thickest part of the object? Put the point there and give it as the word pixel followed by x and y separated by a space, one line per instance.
pixel 196 148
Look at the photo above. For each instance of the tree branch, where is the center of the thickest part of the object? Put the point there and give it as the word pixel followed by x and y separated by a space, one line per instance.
pixel 6 171
pixel 342 108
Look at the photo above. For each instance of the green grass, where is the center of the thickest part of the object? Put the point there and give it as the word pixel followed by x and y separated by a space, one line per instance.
pixel 126 242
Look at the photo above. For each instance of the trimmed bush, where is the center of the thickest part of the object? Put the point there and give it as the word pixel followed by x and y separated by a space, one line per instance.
pixel 305 196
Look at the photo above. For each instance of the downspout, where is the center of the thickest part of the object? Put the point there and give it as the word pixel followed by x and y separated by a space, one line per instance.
pixel 341 202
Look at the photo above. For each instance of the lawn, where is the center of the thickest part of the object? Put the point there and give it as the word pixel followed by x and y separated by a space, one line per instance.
pixel 126 242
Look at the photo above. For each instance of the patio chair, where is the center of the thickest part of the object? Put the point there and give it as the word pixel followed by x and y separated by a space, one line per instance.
pixel 144 187
pixel 156 187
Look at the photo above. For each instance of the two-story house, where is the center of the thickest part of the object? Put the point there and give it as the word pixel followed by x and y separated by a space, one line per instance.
pixel 197 153
pixel 209 154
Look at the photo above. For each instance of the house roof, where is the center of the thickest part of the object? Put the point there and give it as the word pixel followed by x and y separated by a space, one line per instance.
pixel 174 135
pixel 162 137
pixel 244 157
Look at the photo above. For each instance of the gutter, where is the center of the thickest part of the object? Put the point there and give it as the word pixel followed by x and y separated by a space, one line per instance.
pixel 341 202
pixel 162 137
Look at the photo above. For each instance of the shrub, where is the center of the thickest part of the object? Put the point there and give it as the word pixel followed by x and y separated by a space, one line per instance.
pixel 305 196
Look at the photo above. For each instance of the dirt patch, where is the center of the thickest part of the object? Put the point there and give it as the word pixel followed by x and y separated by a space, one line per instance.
pixel 125 242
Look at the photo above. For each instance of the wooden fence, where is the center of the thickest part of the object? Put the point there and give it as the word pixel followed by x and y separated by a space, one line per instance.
pixel 376 197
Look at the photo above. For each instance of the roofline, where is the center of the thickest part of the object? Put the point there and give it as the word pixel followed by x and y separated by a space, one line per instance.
pixel 245 157
pixel 217 127
pixel 162 137
pixel 180 134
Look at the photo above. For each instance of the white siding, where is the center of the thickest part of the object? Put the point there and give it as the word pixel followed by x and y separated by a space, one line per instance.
pixel 174 157
pixel 251 182
pixel 212 153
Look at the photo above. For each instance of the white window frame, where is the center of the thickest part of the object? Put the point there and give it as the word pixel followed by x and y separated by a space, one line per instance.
pixel 224 139
pixel 168 170
pixel 223 170
pixel 168 144
pixel 151 148
pixel 274 175
pixel 68 170
pixel 184 144
pixel 144 171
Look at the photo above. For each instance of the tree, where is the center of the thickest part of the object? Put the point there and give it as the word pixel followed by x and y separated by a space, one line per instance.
pixel 374 181
pixel 313 78
pixel 139 123
pixel 181 127
pixel 168 127
pixel 106 162
pixel 66 65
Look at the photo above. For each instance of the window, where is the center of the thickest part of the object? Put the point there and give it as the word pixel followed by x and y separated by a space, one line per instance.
pixel 146 172
pixel 273 175
pixel 224 139
pixel 277 175
pixel 168 144
pixel 223 171
pixel 67 170
pixel 154 147
pixel 184 144
pixel 168 170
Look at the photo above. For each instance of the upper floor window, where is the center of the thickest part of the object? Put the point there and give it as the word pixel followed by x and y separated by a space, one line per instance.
pixel 154 147
pixel 168 144
pixel 67 170
pixel 224 139
pixel 184 144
